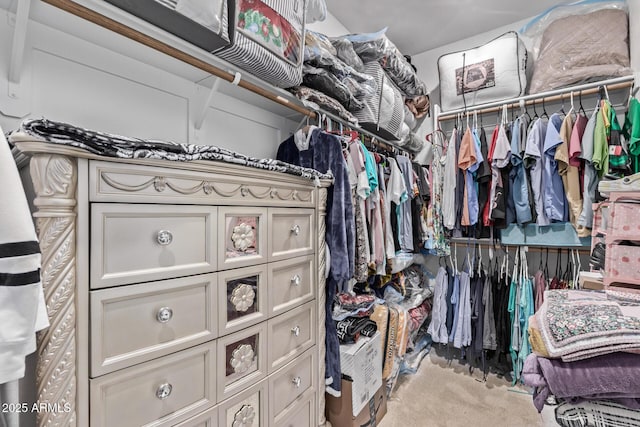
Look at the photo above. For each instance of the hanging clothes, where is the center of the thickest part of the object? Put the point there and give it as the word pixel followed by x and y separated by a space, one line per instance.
pixel 591 177
pixel 438 326
pixel 462 333
pixel 575 159
pixel 483 179
pixel 325 154
pixel 361 190
pixel 533 160
pixel 450 178
pixel 466 160
pixel 631 132
pixel 500 159
pixel 555 203
pixel 518 177
pixel 568 172
pixel 489 322
pixel 404 213
pixel 460 184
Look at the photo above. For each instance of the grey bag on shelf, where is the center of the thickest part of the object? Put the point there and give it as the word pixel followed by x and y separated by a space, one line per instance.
pixel 383 114
pixel 269 40
pixel 492 72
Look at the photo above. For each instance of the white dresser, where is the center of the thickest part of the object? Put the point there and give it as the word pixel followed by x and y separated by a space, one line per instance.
pixel 180 294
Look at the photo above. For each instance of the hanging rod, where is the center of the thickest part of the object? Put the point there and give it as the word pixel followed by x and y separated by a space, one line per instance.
pixel 532 247
pixel 617 83
pixel 119 28
pixel 363 131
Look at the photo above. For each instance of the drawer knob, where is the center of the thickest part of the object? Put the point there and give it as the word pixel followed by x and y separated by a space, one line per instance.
pixel 295 229
pixel 164 391
pixel 297 381
pixel 164 237
pixel 244 417
pixel 295 331
pixel 296 280
pixel 164 314
pixel 242 358
pixel 243 297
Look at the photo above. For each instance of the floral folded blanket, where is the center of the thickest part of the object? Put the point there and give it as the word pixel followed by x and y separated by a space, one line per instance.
pixel 581 324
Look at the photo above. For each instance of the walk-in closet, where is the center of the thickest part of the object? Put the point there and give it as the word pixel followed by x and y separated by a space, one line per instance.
pixel 310 213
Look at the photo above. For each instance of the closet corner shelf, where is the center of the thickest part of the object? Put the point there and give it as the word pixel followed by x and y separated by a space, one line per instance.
pixel 119 22
pixel 617 83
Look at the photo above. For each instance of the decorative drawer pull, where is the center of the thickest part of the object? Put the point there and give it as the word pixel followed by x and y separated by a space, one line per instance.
pixel 295 229
pixel 243 297
pixel 164 391
pixel 242 358
pixel 296 280
pixel 244 417
pixel 297 381
pixel 164 314
pixel 164 237
pixel 295 331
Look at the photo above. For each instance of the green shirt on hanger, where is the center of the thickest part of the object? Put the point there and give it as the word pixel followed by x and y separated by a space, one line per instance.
pixel 631 132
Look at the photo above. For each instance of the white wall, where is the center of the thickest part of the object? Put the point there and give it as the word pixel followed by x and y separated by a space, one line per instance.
pixel 331 27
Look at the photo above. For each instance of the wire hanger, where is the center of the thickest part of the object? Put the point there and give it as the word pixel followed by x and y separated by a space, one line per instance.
pixel 581 110
pixel 561 110
pixel 544 110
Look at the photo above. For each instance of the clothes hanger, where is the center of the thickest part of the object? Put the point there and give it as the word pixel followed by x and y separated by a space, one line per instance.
pixel 546 266
pixel 535 111
pixel 544 110
pixel 581 110
pixel 561 110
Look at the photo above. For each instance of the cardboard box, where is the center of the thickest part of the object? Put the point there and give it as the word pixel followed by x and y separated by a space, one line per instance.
pixel 338 409
pixel 362 363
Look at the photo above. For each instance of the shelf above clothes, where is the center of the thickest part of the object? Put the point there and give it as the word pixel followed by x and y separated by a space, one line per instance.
pixel 283 102
pixel 614 84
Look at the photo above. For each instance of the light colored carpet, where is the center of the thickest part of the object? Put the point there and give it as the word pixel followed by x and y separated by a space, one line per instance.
pixel 449 396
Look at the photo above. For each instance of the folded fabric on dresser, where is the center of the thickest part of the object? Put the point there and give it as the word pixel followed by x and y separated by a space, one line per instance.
pixel 105 144
pixel 615 376
pixel 577 325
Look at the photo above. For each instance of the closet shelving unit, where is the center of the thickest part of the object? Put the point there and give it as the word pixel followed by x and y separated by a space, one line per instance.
pixel 518 236
pixel 108 17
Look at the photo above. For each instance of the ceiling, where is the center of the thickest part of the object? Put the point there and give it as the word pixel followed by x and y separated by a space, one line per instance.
pixel 416 26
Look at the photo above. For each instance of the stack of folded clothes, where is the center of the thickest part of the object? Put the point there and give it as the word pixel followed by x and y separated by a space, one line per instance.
pixel 585 354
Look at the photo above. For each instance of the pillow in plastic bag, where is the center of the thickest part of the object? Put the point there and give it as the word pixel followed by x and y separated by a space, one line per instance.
pixel 581 48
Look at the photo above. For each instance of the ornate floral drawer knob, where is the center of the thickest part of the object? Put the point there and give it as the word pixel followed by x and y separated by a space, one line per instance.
pixel 242 237
pixel 243 297
pixel 242 358
pixel 244 417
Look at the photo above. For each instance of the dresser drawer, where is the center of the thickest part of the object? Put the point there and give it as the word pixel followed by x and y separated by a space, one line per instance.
pixel 157 393
pixel 140 243
pixel 242 298
pixel 243 237
pixel 290 334
pixel 288 385
pixel 208 418
pixel 300 414
pixel 291 283
pixel 248 409
pixel 291 233
pixel 133 324
pixel 242 360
